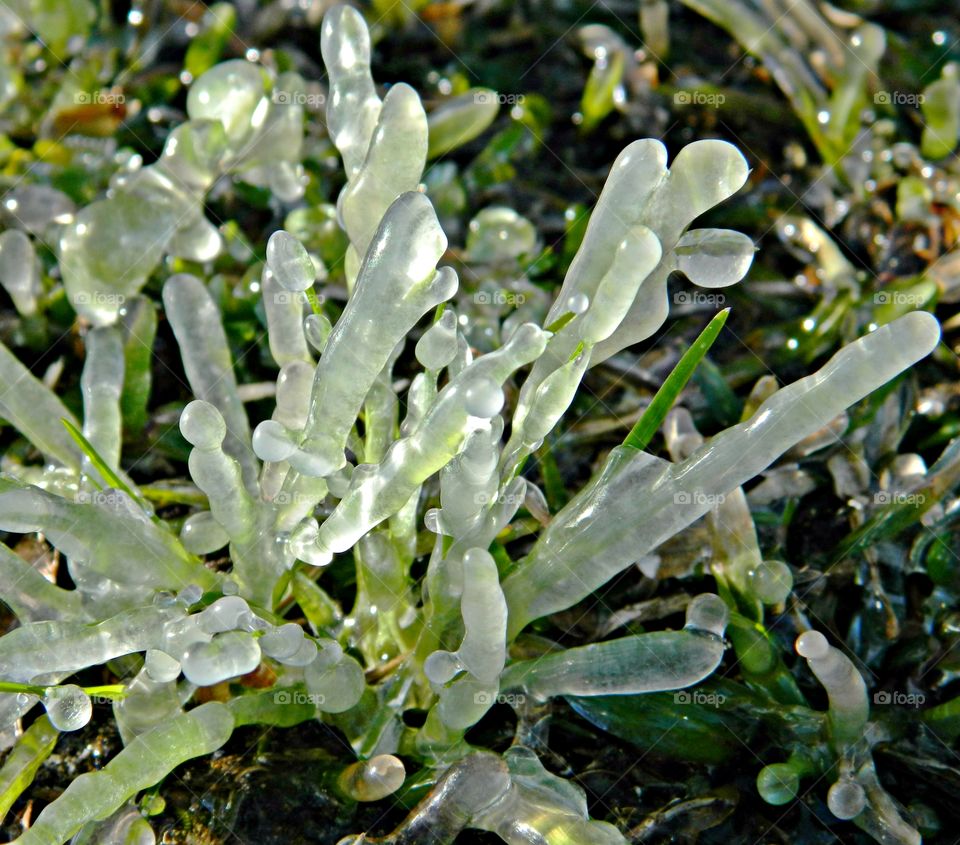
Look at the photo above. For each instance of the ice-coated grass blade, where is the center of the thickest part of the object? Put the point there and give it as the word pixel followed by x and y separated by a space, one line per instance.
pixel 33 409
pixel 145 761
pixel 21 766
pixel 648 425
pixel 109 477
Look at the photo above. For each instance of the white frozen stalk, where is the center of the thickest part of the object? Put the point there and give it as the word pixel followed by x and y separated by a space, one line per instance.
pixel 62 648
pixel 290 262
pixel 147 702
pixel 290 413
pixel 378 491
pixel 102 384
pixel 396 286
pixel 216 473
pixel 849 706
pixel 195 319
pixel 353 106
pixel 552 384
pixel 629 250
pixel 284 310
pixel 662 660
pixel 393 165
pixel 100 540
pixel 540 807
pixel 469 482
pixel 637 501
pixel 483 650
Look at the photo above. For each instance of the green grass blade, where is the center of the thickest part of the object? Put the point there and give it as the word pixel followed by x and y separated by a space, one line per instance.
pixel 642 433
pixel 21 766
pixel 109 477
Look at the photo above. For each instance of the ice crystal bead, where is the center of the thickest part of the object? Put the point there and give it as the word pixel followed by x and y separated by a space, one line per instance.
pixel 190 594
pixel 578 303
pixel 19 271
pixel 709 613
pixel 714 258
pixel 373 779
pixel 499 235
pixel 483 398
pixel 317 329
pixel 461 119
pixel 289 262
pixel 337 684
pixel 282 642
pixel 772 581
pixel 231 92
pixel 303 656
pixel 778 783
pixel 272 442
pixel 201 534
pixel 441 667
pixel 438 345
pixel 812 645
pixel 160 666
pixel 223 615
pixel 202 425
pixel 846 799
pixel 109 250
pixel 193 152
pixel 68 707
pixel 226 656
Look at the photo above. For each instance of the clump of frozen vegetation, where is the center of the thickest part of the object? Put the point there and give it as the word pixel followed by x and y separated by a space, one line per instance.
pixel 340 469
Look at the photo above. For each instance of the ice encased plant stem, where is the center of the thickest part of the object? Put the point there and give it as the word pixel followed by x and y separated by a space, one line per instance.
pixel 637 501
